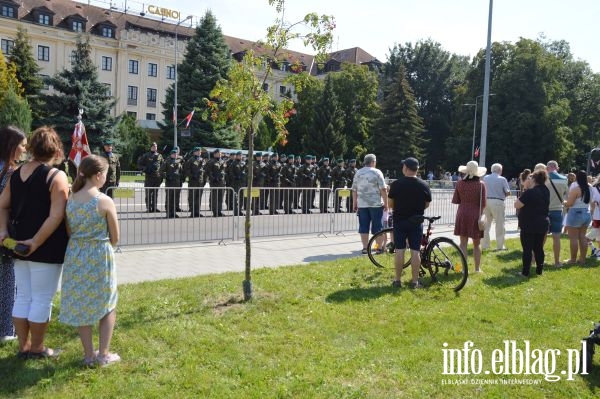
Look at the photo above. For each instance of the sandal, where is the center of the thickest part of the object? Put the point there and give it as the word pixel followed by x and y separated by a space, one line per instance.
pixel 23 355
pixel 108 359
pixel 364 251
pixel 47 353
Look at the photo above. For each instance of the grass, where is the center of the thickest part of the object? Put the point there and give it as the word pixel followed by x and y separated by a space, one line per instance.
pixel 328 330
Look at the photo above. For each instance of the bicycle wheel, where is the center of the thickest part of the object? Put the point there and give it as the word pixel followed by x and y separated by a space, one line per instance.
pixel 446 263
pixel 381 248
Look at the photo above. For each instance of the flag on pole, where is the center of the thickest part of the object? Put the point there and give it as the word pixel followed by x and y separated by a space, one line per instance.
pixel 476 154
pixel 80 148
pixel 188 119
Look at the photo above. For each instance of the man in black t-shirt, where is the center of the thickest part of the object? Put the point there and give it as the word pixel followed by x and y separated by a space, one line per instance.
pixel 409 196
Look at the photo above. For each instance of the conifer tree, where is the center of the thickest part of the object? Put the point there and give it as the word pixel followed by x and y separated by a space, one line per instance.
pixel 206 61
pixel 77 88
pixel 398 133
pixel 131 141
pixel 15 111
pixel 325 136
pixel 27 71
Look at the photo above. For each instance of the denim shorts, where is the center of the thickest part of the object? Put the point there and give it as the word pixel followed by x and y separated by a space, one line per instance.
pixel 369 217
pixel 578 217
pixel 405 230
pixel 556 221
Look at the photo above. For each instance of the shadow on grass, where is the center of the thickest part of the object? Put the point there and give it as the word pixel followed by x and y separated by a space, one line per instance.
pixel 360 294
pixel 509 278
pixel 16 376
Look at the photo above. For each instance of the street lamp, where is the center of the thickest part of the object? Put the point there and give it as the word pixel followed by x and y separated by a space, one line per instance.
pixel 175 88
pixel 475 122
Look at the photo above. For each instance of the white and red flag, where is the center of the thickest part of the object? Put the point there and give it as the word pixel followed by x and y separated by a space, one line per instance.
pixel 188 118
pixel 80 148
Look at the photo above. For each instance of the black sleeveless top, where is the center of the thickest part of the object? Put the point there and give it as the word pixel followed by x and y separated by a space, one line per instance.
pixel 35 194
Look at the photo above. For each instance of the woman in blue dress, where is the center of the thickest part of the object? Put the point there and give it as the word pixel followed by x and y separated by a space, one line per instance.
pixel 89 284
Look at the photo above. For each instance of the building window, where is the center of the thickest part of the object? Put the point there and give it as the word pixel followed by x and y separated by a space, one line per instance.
pixel 170 72
pixel 73 57
pixel 44 19
pixel 134 114
pixel 151 117
pixel 151 100
pixel 106 63
pixel 152 69
pixel 8 11
pixel 266 87
pixel 282 90
pixel 132 95
pixel 77 26
pixel 7 46
pixel 43 53
pixel 108 89
pixel 134 66
pixel 45 84
pixel 107 31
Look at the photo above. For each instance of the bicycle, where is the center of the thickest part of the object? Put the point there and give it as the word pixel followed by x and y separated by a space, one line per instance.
pixel 440 257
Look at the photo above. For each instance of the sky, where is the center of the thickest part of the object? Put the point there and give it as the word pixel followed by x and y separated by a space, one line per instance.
pixel 460 26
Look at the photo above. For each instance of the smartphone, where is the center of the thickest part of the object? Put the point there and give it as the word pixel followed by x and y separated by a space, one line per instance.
pixel 21 249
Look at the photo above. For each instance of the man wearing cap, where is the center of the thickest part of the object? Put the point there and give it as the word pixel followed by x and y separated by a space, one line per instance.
pixel 113 175
pixel 409 196
pixel 216 178
pixel 349 173
pixel 324 177
pixel 306 180
pixel 339 182
pixel 150 163
pixel 370 199
pixel 497 190
pixel 258 180
pixel 194 171
pixel 181 160
pixel 288 182
pixel 172 171
pixel 237 177
pixel 273 169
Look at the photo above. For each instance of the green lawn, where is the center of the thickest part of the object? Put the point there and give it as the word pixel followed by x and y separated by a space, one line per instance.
pixel 328 330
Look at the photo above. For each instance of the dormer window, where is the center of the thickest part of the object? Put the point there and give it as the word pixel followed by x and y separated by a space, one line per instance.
pixel 8 11
pixel 77 26
pixel 44 19
pixel 107 31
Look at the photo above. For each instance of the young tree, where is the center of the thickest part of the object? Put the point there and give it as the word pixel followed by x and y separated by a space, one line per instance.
pixel 79 88
pixel 206 61
pixel 398 133
pixel 27 71
pixel 132 141
pixel 241 100
pixel 326 133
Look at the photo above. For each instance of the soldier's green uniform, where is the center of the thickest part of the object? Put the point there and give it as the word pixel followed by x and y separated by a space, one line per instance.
pixel 339 182
pixel 306 179
pixel 237 176
pixel 258 180
pixel 113 175
pixel 349 175
pixel 150 164
pixel 193 170
pixel 216 178
pixel 172 171
pixel 273 170
pixel 288 180
pixel 324 177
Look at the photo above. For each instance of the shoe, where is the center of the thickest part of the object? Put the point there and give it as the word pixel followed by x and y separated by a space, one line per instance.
pixel 396 284
pixel 47 353
pixel 22 355
pixel 414 286
pixel 178 209
pixel 157 210
pixel 364 251
pixel 7 338
pixel 90 362
pixel 107 360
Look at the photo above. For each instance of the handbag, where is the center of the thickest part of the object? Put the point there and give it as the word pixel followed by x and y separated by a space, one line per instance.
pixel 482 219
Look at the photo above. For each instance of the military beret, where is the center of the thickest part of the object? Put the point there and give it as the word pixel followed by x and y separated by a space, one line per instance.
pixel 216 150
pixel 173 151
pixel 352 161
pixel 196 149
pixel 258 154
pixel 308 157
pixel 291 156
pixel 238 153
pixel 340 160
pixel 314 157
pixel 108 142
pixel 325 159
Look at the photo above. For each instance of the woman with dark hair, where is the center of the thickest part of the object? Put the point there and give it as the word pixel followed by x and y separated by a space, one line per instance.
pixel 578 216
pixel 533 220
pixel 470 195
pixel 12 148
pixel 35 200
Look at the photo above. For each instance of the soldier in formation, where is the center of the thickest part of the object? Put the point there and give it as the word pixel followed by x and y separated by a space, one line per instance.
pixel 215 171
pixel 339 182
pixel 324 177
pixel 172 171
pixel 113 176
pixel 193 171
pixel 150 163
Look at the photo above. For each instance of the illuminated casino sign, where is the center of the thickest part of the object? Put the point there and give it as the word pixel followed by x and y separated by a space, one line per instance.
pixel 163 12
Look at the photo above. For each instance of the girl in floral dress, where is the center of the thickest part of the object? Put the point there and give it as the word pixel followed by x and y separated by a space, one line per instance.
pixel 89 284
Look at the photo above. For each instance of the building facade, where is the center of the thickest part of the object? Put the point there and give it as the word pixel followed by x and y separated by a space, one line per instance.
pixel 134 50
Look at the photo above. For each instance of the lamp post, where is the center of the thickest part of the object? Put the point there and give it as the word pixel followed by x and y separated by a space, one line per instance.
pixel 175 86
pixel 475 122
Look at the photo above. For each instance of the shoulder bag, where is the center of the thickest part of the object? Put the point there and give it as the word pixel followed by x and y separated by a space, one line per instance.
pixel 482 220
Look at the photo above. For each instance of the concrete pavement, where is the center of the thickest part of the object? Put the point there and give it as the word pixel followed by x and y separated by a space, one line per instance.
pixel 149 263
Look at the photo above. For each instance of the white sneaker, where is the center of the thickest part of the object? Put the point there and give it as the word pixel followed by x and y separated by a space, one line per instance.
pixel 7 338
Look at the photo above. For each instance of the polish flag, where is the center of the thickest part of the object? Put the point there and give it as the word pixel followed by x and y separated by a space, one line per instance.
pixel 188 118
pixel 476 154
pixel 80 148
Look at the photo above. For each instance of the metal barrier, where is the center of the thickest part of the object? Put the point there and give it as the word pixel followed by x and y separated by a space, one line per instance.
pixel 144 218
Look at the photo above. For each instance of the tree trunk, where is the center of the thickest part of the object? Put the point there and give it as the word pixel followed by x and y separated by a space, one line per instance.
pixel 247 284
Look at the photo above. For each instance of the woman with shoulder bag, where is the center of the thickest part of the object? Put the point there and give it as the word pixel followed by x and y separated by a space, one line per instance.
pixel 35 200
